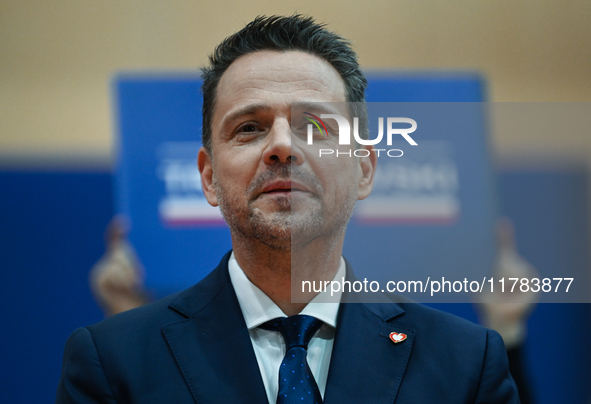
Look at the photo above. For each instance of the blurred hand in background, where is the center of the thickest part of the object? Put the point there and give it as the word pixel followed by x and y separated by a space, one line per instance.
pixel 117 279
pixel 507 313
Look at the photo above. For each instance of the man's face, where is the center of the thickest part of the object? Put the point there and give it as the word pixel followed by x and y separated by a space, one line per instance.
pixel 268 185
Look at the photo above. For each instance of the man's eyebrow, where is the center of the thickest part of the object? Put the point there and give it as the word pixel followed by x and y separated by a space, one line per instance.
pixel 318 107
pixel 247 110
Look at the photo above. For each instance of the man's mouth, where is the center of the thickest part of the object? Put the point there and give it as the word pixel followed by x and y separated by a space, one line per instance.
pixel 284 187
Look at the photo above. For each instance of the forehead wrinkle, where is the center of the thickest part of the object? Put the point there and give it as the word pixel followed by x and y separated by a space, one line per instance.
pixel 286 87
pixel 254 72
pixel 250 93
pixel 302 94
pixel 282 75
pixel 289 92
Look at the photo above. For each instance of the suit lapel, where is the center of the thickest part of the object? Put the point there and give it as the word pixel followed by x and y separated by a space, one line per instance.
pixel 366 366
pixel 212 346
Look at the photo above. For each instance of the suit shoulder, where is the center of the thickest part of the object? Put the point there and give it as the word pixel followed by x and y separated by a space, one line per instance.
pixel 428 317
pixel 448 333
pixel 405 312
pixel 135 326
pixel 147 321
pixel 449 350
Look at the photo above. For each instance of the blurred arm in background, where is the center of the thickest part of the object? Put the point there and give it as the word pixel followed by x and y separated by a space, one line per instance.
pixel 507 313
pixel 117 279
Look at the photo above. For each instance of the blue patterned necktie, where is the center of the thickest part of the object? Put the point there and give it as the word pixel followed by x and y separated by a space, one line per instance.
pixel 296 382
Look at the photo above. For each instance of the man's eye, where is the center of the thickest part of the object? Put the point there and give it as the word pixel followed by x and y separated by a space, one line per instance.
pixel 248 128
pixel 300 127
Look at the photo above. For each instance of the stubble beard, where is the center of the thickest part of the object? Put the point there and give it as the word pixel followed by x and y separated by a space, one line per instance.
pixel 291 225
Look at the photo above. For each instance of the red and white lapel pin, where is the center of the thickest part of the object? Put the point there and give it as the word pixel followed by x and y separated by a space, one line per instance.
pixel 397 337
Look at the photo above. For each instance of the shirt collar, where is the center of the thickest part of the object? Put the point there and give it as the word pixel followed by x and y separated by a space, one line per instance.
pixel 258 308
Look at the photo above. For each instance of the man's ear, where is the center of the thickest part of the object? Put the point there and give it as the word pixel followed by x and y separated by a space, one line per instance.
pixel 205 166
pixel 368 169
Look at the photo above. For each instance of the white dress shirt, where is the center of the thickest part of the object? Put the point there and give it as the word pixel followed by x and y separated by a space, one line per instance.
pixel 269 347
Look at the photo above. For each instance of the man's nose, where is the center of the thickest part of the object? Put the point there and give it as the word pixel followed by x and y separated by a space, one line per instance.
pixel 279 147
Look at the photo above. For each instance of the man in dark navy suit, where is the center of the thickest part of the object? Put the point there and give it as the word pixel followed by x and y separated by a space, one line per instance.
pixel 231 338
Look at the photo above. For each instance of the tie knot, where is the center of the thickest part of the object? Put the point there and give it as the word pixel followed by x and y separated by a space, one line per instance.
pixel 296 330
